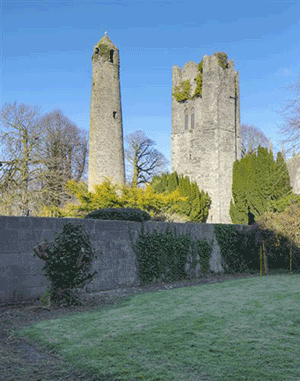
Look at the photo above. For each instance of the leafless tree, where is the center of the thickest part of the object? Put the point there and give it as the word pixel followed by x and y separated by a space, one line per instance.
pixel 30 164
pixel 251 138
pixel 68 148
pixel 145 161
pixel 291 115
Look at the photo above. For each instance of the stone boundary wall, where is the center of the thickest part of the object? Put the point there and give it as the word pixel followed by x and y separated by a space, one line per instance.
pixel 21 277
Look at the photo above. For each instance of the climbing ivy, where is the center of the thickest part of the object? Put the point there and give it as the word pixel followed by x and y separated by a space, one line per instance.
pixel 183 92
pixel 198 89
pixel 223 60
pixel 235 87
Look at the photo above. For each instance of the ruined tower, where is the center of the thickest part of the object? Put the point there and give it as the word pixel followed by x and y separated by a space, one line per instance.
pixel 206 132
pixel 106 149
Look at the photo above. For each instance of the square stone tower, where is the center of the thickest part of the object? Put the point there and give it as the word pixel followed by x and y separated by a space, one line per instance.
pixel 206 132
pixel 106 149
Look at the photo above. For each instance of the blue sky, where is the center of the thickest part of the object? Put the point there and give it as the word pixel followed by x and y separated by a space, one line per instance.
pixel 46 49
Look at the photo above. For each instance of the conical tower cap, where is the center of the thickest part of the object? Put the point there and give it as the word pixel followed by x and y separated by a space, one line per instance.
pixel 105 40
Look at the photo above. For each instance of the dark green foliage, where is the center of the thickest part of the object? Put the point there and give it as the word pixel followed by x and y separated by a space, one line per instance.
pixel 281 204
pixel 266 173
pixel 251 219
pixel 197 205
pixel 185 190
pixel 277 256
pixel 68 261
pixel 172 182
pixel 233 257
pixel 195 202
pixel 237 210
pixel 281 179
pixel 160 183
pixel 256 182
pixel 205 202
pixel 158 252
pixel 125 214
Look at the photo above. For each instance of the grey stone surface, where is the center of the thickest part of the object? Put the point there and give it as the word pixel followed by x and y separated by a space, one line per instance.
pixel 205 136
pixel 21 276
pixel 106 150
pixel 206 151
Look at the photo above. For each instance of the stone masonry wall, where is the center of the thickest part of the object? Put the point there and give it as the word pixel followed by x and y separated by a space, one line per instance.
pixel 21 277
pixel 106 150
pixel 206 151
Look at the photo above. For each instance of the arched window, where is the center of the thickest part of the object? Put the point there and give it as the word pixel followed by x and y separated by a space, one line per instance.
pixel 193 119
pixel 186 119
pixel 112 56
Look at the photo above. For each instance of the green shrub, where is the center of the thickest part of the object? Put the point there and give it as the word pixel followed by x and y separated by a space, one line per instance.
pixel 68 262
pixel 125 214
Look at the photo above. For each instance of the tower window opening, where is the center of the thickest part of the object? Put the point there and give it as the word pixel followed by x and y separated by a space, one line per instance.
pixel 114 114
pixel 186 119
pixel 111 56
pixel 96 50
pixel 193 119
pixel 190 157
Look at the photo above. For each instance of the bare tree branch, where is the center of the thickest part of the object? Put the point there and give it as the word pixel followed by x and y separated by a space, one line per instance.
pixel 291 115
pixel 51 152
pixel 251 138
pixel 146 162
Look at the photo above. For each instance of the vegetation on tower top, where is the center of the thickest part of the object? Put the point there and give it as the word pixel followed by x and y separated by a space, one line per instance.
pixel 183 91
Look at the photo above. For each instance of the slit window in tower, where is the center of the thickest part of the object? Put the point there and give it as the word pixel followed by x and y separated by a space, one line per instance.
pixel 114 114
pixel 111 56
pixel 193 119
pixel 186 119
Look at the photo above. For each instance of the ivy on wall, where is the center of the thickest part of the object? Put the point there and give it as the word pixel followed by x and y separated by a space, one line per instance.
pixel 235 87
pixel 183 91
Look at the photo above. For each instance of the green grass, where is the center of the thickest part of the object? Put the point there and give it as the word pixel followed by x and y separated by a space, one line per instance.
pixel 244 329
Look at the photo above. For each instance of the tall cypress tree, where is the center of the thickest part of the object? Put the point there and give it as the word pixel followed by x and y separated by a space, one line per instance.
pixel 205 203
pixel 237 207
pixel 196 206
pixel 281 182
pixel 195 198
pixel 253 184
pixel 184 187
pixel 244 189
pixel 173 182
pixel 264 171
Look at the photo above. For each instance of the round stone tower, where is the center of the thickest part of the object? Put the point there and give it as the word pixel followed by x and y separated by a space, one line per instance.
pixel 106 150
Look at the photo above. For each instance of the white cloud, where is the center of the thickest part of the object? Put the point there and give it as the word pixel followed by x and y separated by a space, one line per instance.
pixel 285 72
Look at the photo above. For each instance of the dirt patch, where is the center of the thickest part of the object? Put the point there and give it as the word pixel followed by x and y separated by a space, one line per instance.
pixel 25 360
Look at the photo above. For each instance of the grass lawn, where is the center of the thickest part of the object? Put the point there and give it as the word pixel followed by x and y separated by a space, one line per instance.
pixel 244 329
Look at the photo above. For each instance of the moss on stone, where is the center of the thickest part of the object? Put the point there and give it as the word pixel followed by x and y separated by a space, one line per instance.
pixel 183 92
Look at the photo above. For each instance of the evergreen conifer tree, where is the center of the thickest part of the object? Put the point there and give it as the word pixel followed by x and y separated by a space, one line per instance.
pixel 253 184
pixel 173 182
pixel 197 205
pixel 264 169
pixel 281 182
pixel 205 202
pixel 195 197
pixel 184 187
